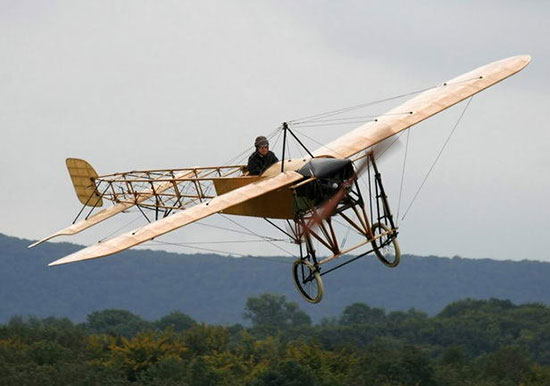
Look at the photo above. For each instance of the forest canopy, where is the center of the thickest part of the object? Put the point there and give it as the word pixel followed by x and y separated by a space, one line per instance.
pixel 481 342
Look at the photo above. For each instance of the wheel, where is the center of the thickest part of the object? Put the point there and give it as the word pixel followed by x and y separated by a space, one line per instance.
pixel 385 247
pixel 308 281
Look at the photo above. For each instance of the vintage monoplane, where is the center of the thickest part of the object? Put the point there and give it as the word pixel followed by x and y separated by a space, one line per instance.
pixel 305 193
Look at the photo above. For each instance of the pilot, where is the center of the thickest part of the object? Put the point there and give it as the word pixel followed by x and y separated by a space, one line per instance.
pixel 262 158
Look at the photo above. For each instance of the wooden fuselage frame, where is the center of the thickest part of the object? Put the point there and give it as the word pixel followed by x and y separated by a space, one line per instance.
pixel 167 190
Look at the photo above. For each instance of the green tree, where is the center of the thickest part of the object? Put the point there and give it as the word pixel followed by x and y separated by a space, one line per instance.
pixel 115 322
pixel 201 374
pixel 176 320
pixel 407 366
pixel 48 352
pixel 135 356
pixel 360 313
pixel 273 311
pixel 462 307
pixel 203 339
pixel 286 373
pixel 508 365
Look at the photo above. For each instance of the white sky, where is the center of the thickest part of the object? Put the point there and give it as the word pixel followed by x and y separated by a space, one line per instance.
pixel 166 84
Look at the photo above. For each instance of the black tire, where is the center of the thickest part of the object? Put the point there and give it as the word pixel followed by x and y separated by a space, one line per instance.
pixel 308 281
pixel 386 247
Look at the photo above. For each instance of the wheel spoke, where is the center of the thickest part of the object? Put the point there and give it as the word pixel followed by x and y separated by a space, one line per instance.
pixel 385 245
pixel 308 281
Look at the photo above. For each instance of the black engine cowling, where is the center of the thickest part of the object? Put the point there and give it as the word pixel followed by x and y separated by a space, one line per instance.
pixel 329 173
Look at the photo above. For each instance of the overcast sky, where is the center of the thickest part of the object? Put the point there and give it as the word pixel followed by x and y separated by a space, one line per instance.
pixel 167 84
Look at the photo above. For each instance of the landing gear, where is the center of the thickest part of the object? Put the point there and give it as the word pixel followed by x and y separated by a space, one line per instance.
pixel 330 191
pixel 308 280
pixel 385 245
pixel 335 198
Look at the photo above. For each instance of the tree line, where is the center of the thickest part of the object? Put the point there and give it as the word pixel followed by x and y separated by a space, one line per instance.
pixel 470 342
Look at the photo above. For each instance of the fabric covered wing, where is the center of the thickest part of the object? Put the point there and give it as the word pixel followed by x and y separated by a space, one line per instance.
pixel 104 214
pixel 182 218
pixel 423 106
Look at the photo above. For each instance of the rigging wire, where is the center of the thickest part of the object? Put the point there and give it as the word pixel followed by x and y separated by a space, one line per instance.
pixel 231 254
pixel 335 123
pixel 233 230
pixel 120 228
pixel 354 117
pixel 231 242
pixel 312 119
pixel 276 142
pixel 242 155
pixel 346 109
pixel 346 120
pixel 288 148
pixel 183 245
pixel 437 158
pixel 317 142
pixel 270 242
pixel 403 173
pixel 377 156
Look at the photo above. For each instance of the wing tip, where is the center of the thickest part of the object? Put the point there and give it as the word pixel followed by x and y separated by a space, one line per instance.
pixel 88 253
pixel 36 243
pixel 521 61
pixel 54 263
pixel 73 257
pixel 525 58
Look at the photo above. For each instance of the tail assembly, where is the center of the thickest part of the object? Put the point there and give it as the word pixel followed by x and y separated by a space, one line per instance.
pixel 83 177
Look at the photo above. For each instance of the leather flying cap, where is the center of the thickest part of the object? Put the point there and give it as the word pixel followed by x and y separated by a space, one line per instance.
pixel 261 141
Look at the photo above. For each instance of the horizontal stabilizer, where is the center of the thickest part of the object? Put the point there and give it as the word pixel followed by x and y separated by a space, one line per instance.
pixel 180 219
pixel 100 216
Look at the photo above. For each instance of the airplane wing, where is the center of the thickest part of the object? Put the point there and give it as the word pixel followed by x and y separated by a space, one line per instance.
pixel 423 106
pixel 182 218
pixel 104 214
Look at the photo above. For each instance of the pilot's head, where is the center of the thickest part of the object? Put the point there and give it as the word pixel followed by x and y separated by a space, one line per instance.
pixel 262 145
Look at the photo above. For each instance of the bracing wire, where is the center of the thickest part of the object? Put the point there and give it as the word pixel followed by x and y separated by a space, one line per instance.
pixel 276 142
pixel 231 242
pixel 437 157
pixel 120 228
pixel 335 123
pixel 231 254
pixel 317 142
pixel 242 155
pixel 346 120
pixel 363 117
pixel 257 235
pixel 377 156
pixel 403 173
pixel 233 230
pixel 184 245
pixel 346 109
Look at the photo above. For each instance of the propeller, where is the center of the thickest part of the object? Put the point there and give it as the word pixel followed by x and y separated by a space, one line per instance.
pixel 383 149
pixel 327 209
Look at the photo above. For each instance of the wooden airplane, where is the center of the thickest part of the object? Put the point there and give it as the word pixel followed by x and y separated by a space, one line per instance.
pixel 305 193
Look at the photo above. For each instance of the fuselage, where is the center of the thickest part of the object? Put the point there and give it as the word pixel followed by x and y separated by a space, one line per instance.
pixel 324 174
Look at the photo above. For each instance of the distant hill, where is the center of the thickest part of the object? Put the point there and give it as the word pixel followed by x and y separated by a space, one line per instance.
pixel 214 289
